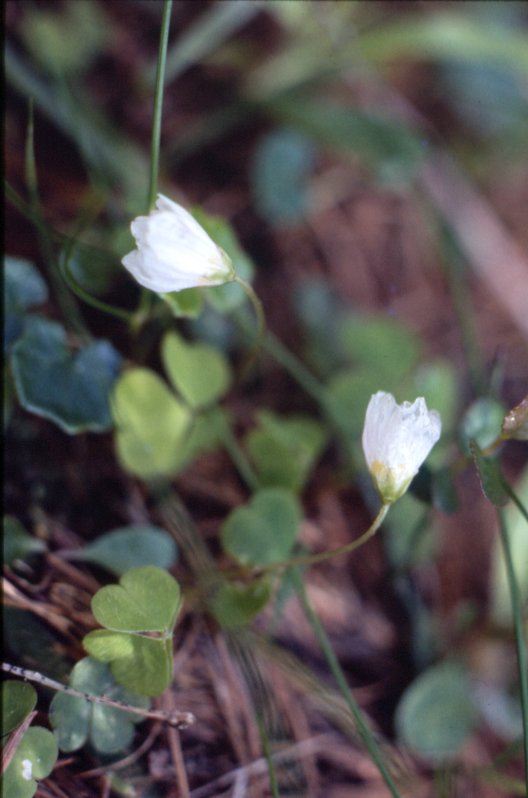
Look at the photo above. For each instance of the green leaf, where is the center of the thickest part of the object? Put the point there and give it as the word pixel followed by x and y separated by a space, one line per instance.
pixel 236 605
pixel 437 382
pixel 199 371
pixel 225 298
pixel 67 41
pixel 381 344
pixel 76 721
pixel 34 759
pixel 23 288
pixel 284 450
pixel 92 267
pixel 264 530
pixel 18 700
pixel 147 599
pixel 17 544
pixel 186 304
pixel 203 435
pixel 70 389
pixel 129 547
pixel 348 394
pixel 320 308
pixel 482 423
pixel 152 425
pixel 280 170
pixel 490 476
pixel 140 664
pixel 436 714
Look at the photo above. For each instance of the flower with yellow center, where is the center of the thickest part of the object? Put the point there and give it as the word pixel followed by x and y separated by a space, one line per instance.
pixel 396 440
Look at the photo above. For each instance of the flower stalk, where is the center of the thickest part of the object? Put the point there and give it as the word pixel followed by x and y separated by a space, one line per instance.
pixel 158 104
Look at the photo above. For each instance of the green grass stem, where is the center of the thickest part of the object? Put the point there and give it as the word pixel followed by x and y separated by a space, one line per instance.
pixel 522 658
pixel 366 734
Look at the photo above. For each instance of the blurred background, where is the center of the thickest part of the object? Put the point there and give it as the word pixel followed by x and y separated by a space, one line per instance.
pixel 372 158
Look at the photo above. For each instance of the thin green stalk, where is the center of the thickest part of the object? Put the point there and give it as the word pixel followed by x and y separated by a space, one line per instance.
pixel 515 499
pixel 237 455
pixel 522 657
pixel 261 324
pixel 273 346
pixel 158 104
pixel 364 731
pixel 295 367
pixel 311 559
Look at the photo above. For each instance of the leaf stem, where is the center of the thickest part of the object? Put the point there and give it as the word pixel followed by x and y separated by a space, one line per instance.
pixel 296 368
pixel 366 734
pixel 237 455
pixel 522 658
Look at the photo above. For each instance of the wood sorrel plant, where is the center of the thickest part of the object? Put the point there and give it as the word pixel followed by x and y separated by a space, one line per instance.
pixel 161 423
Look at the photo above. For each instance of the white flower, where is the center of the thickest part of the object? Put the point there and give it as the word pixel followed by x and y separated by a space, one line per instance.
pixel 396 441
pixel 174 252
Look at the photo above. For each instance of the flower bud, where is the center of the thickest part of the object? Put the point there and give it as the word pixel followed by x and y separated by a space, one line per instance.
pixel 396 441
pixel 174 252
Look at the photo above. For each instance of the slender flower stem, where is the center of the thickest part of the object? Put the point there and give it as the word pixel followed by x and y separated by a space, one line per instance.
pixel 522 656
pixel 364 731
pixel 311 559
pixel 145 301
pixel 261 324
pixel 158 104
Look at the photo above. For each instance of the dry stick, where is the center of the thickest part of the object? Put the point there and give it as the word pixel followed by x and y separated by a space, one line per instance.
pixel 259 767
pixel 173 718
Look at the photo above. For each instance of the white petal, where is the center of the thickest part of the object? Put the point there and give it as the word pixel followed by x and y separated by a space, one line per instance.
pixel 396 441
pixel 174 252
